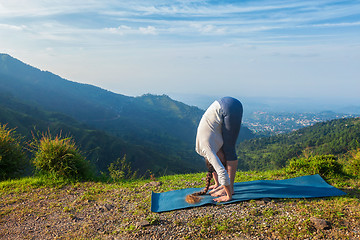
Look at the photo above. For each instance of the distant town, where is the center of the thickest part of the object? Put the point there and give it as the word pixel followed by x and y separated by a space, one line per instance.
pixel 270 123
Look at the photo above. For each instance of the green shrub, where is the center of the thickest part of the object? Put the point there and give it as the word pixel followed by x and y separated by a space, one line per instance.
pixel 354 167
pixel 324 165
pixel 12 157
pixel 59 157
pixel 121 170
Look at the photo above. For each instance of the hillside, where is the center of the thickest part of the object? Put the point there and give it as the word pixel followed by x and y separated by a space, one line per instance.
pixel 156 123
pixel 331 137
pixel 99 147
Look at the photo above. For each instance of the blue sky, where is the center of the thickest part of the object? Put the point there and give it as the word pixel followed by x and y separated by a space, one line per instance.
pixel 258 48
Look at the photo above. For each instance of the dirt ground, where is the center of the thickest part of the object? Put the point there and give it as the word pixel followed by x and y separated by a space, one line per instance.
pixel 94 211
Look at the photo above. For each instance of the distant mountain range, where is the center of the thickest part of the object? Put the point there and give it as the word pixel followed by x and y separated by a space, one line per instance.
pixel 156 132
pixel 281 104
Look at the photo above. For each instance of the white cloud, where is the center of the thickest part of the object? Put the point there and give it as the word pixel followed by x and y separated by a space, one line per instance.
pixel 208 28
pixel 123 29
pixel 12 27
pixel 42 8
pixel 149 30
pixel 238 38
pixel 341 24
pixel 126 30
pixel 179 17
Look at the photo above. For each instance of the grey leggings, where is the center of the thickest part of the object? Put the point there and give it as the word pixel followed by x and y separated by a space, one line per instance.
pixel 231 113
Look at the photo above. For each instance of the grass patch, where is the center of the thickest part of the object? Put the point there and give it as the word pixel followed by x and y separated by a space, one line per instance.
pixel 28 183
pixel 101 209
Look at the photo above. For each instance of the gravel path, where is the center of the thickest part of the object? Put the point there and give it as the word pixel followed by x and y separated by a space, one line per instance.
pixel 101 211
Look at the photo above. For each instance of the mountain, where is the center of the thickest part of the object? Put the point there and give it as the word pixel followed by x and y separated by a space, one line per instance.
pixel 335 137
pixel 99 147
pixel 156 123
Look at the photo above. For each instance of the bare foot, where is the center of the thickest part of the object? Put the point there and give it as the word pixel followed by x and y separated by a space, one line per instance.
pixel 218 188
pixel 213 186
pixel 223 199
pixel 220 192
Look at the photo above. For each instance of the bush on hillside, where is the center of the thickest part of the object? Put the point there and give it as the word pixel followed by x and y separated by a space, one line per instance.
pixel 121 170
pixel 59 157
pixel 12 157
pixel 325 165
pixel 354 167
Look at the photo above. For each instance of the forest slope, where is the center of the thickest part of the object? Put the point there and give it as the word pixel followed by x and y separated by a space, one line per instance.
pixel 335 137
pixel 99 147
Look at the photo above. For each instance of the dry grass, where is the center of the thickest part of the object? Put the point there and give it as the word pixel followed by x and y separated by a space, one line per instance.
pixel 34 208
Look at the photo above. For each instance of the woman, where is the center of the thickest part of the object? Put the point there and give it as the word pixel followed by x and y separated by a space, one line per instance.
pixel 217 133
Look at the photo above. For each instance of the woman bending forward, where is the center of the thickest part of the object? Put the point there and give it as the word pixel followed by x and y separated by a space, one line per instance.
pixel 216 137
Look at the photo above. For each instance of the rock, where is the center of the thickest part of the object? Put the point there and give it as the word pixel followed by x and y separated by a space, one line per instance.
pixel 266 200
pixel 320 223
pixel 108 206
pixel 263 201
pixel 105 207
pixel 152 184
pixel 142 223
pixel 75 219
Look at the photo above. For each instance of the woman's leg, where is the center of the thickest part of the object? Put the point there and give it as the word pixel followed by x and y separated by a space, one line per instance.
pixel 231 168
pixel 232 111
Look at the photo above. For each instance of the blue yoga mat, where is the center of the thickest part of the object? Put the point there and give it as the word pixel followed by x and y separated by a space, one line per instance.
pixel 300 187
